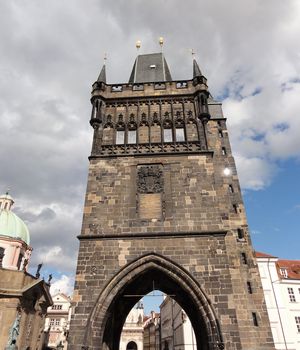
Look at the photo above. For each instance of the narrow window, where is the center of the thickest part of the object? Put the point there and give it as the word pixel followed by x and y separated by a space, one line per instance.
pixel 230 188
pixel 291 295
pixel 57 322
pixel 131 136
pixel 221 134
pixel 297 319
pixel 254 318
pixel 2 250
pixel 19 261
pixel 240 233
pixel 249 287
pixel 219 123
pixel 120 137
pixel 224 151
pixel 52 320
pixel 244 258
pixel 168 137
pixel 235 208
pixel 180 135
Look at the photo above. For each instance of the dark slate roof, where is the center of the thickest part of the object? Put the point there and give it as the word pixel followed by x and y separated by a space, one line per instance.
pixel 150 68
pixel 196 69
pixel 102 75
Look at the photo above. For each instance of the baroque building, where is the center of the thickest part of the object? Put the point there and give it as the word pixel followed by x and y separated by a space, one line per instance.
pixel 57 322
pixel 23 298
pixel 133 329
pixel 281 285
pixel 164 210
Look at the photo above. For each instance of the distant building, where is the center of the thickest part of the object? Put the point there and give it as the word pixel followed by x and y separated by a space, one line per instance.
pixel 176 329
pixel 281 286
pixel 23 298
pixel 152 332
pixel 58 321
pixel 132 333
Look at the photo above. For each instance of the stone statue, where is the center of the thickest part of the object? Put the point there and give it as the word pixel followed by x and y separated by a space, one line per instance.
pixel 49 278
pixel 13 334
pixel 37 275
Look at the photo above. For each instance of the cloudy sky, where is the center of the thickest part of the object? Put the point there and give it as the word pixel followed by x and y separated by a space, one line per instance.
pixel 51 53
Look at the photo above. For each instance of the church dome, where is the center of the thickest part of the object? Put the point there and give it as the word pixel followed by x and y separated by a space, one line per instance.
pixel 10 224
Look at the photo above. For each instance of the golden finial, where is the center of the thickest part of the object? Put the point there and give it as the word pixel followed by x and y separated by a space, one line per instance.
pixel 161 41
pixel 138 44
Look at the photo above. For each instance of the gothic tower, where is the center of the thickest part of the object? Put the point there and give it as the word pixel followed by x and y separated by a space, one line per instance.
pixel 164 209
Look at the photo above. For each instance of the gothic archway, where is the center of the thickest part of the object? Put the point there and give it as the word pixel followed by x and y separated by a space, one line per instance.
pixel 106 320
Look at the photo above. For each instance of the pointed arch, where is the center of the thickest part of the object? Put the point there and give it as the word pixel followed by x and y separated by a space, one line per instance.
pixel 103 329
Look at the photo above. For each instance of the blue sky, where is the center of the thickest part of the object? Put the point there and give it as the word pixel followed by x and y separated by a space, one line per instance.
pixel 52 52
pixel 274 213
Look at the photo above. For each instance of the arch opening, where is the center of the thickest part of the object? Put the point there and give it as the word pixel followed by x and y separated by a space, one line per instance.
pixel 157 322
pixel 131 346
pixel 138 279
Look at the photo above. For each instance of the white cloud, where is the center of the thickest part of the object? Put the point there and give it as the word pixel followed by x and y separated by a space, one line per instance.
pixel 254 173
pixel 64 284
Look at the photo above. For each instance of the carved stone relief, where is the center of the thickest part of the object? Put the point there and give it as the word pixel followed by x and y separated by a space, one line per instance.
pixel 150 179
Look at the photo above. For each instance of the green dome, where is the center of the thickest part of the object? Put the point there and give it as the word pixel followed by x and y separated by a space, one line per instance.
pixel 10 224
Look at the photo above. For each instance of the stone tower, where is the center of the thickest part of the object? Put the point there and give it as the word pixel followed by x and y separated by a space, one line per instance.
pixel 164 210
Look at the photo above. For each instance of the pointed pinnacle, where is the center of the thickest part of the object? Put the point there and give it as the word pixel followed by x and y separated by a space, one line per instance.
pixel 102 75
pixel 196 69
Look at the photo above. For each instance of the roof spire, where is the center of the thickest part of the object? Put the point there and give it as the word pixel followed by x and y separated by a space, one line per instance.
pixel 196 70
pixel 102 75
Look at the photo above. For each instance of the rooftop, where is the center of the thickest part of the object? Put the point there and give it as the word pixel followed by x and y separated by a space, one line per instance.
pixel 150 68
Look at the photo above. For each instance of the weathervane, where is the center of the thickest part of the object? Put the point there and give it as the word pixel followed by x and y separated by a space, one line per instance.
pixel 193 53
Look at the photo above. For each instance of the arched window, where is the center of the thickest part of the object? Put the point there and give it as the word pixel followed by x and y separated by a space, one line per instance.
pixel 131 135
pixel 120 131
pixel 167 125
pixel 179 128
pixel 131 346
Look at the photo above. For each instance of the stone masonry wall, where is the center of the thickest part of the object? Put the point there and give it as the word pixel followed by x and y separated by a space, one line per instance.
pixel 201 224
pixel 197 201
